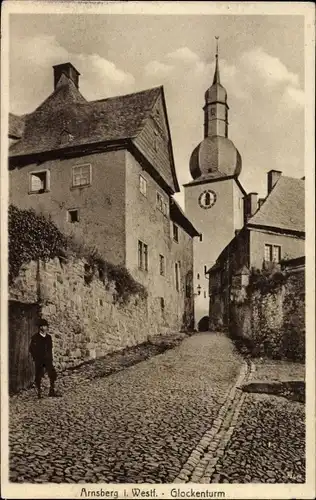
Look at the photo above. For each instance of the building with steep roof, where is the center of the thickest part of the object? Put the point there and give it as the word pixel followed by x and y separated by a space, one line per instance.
pixel 214 197
pixel 272 236
pixel 104 172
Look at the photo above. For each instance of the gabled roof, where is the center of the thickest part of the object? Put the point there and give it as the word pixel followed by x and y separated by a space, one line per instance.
pixel 284 207
pixel 87 122
pixel 177 215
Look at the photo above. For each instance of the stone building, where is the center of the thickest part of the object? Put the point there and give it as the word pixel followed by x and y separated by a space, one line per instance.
pixel 273 234
pixel 104 172
pixel 214 198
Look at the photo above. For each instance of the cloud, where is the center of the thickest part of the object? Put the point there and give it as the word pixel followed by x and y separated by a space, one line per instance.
pixel 99 78
pixel 293 97
pixel 157 68
pixel 269 68
pixel 184 54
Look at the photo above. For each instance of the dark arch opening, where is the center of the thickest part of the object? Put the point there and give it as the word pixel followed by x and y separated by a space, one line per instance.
pixel 203 325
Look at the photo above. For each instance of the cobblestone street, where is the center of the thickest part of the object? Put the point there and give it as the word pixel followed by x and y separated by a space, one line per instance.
pixel 152 422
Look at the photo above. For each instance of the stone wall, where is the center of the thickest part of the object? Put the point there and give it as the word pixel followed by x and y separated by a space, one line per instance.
pixel 85 320
pixel 272 322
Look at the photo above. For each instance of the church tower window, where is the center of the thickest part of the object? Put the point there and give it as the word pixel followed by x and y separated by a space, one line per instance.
pixel 207 198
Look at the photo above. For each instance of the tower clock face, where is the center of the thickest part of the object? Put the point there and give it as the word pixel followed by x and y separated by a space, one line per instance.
pixel 207 199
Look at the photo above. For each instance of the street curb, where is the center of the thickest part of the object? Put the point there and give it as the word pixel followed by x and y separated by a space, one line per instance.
pixel 200 466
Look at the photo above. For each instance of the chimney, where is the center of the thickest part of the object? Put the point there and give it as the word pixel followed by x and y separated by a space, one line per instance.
pixel 260 202
pixel 273 177
pixel 250 205
pixel 66 69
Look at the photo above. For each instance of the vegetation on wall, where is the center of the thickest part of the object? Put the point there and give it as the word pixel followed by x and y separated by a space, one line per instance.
pixel 265 280
pixel 31 237
pixel 34 237
pixel 125 284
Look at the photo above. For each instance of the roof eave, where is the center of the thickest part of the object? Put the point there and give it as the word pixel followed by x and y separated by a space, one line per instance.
pixel 88 148
pixel 206 180
pixel 180 218
pixel 280 230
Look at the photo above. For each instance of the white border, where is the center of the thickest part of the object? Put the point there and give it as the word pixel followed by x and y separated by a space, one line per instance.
pixel 306 9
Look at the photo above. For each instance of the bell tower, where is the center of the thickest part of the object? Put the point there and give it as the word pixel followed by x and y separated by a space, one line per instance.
pixel 214 197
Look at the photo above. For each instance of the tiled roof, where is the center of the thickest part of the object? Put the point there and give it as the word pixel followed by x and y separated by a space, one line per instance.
pixel 284 207
pixel 16 126
pixel 67 120
pixel 66 110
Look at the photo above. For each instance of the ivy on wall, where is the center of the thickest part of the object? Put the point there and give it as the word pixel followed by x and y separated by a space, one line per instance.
pixel 266 281
pixel 34 237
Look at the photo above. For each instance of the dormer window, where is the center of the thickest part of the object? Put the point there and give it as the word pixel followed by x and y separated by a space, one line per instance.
pixel 66 137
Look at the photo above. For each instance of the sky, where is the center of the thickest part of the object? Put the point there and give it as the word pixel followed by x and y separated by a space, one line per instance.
pixel 261 65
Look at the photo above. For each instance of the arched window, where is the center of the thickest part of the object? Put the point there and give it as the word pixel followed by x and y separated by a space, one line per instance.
pixel 207 198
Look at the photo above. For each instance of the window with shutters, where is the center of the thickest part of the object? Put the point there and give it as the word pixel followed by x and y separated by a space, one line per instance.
pixel 81 175
pixel 39 181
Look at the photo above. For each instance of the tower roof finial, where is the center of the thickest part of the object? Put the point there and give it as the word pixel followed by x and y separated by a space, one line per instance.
pixel 217 38
pixel 216 78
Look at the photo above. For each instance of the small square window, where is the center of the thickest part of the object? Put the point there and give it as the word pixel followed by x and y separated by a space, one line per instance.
pixel 143 185
pixel 73 216
pixel 81 175
pixel 39 181
pixel 175 230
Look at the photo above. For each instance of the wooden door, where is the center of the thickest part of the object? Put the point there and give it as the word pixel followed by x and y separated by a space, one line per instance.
pixel 23 323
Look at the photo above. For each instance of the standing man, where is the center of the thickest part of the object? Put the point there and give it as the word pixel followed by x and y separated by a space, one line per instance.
pixel 41 349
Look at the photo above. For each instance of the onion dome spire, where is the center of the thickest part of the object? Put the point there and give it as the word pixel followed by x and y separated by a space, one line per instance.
pixel 216 156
